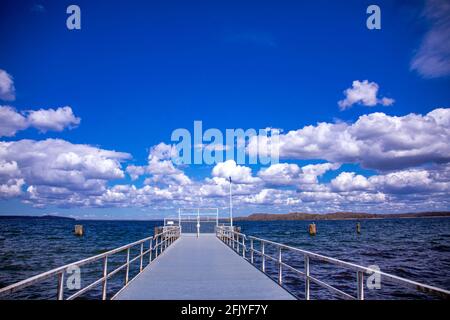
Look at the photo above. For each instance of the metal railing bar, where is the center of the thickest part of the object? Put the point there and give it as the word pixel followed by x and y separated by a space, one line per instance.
pixel 412 284
pixel 141 256
pixel 331 288
pixel 108 276
pixel 316 256
pixel 233 240
pixel 227 236
pixel 105 277
pixel 60 271
pixel 284 264
pixel 112 273
pixel 265 255
pixel 60 292
pixel 42 276
pixel 130 262
pixel 127 265
pixel 293 269
pixel 85 289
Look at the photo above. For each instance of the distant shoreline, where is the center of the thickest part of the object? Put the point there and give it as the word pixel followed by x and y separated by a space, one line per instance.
pixel 293 216
pixel 45 217
pixel 300 216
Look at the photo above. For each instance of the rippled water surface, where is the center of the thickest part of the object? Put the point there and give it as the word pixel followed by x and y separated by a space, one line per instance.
pixel 417 249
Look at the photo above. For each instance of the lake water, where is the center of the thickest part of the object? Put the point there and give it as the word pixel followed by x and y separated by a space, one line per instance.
pixel 416 249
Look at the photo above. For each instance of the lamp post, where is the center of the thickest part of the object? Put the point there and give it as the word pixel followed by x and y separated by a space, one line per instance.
pixel 231 205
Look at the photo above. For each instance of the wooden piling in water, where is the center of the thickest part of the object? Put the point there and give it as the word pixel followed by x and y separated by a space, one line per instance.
pixel 312 229
pixel 358 228
pixel 78 230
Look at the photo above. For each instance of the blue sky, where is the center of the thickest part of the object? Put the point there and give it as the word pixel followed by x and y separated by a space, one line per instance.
pixel 137 70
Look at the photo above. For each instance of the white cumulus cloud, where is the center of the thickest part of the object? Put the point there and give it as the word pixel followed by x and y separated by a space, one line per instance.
pixel 7 90
pixel 364 93
pixel 375 141
pixel 160 167
pixel 53 119
pixel 349 181
pixel 11 121
pixel 56 168
pixel 238 173
pixel 43 120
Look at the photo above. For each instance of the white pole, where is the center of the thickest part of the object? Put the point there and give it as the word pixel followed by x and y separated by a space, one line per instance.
pixel 179 218
pixel 231 206
pixel 198 223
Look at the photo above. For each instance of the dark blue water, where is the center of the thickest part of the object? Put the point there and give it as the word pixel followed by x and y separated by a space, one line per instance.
pixel 417 249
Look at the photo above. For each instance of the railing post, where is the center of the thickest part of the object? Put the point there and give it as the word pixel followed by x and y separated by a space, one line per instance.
pixel 156 247
pixel 167 241
pixel 164 242
pixel 243 246
pixel 263 257
pixel 307 281
pixel 231 240
pixel 105 275
pixel 127 272
pixel 360 284
pixel 280 267
pixel 60 292
pixel 251 251
pixel 150 249
pixel 142 256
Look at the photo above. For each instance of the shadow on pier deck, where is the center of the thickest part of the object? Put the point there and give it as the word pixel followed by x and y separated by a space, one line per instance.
pixel 202 268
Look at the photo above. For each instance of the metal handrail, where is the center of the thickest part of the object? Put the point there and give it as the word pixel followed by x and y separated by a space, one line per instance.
pixel 163 240
pixel 233 239
pixel 227 235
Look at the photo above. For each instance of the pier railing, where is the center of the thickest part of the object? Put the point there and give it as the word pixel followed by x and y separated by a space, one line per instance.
pixel 156 245
pixel 245 245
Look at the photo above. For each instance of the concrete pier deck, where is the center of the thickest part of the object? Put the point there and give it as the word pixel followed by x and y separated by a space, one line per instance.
pixel 201 268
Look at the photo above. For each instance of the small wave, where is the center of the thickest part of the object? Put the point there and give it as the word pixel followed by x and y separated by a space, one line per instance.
pixel 441 248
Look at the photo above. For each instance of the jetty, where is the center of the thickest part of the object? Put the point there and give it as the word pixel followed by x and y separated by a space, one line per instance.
pixel 199 257
pixel 202 268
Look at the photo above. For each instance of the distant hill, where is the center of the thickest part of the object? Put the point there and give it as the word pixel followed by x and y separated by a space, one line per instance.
pixel 46 217
pixel 338 216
